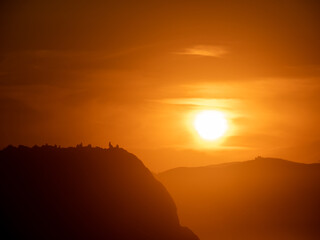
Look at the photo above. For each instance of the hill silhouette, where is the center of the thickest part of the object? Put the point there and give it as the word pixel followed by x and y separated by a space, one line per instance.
pixel 83 193
pixel 265 198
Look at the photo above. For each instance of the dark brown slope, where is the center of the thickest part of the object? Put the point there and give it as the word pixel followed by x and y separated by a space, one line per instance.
pixel 83 193
pixel 259 199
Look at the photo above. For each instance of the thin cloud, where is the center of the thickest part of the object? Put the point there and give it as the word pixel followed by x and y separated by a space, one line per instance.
pixel 201 102
pixel 205 50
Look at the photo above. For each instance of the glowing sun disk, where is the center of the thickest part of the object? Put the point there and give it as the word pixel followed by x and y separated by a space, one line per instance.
pixel 210 125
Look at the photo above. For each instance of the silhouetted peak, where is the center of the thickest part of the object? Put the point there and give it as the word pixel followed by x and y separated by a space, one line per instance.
pixel 271 161
pixel 260 158
pixel 112 147
pixel 84 192
pixel 78 147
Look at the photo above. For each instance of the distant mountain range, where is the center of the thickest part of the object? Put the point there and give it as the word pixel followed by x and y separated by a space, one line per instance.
pixel 83 193
pixel 265 198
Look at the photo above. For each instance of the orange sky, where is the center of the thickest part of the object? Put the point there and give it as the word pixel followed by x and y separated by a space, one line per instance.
pixel 134 72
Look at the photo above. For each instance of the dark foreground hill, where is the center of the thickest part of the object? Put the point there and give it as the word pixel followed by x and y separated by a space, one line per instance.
pixel 83 193
pixel 259 199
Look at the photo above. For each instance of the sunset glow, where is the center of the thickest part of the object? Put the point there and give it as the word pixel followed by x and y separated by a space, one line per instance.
pixel 184 120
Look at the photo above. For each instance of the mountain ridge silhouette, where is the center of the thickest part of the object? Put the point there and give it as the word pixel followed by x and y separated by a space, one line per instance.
pixel 264 198
pixel 227 164
pixel 50 192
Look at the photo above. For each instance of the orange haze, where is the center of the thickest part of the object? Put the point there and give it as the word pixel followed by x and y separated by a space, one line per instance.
pixel 134 72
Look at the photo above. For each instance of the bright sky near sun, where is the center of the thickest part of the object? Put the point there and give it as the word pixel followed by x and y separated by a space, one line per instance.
pixel 139 74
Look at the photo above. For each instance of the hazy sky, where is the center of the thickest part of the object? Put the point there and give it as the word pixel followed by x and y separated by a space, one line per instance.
pixel 135 72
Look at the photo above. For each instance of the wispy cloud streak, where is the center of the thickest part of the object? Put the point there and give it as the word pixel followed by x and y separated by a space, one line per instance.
pixel 205 50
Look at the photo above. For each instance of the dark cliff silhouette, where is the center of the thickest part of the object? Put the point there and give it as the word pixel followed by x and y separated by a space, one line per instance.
pixel 83 193
pixel 260 199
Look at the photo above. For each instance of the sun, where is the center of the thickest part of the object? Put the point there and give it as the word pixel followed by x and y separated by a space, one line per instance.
pixel 210 124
